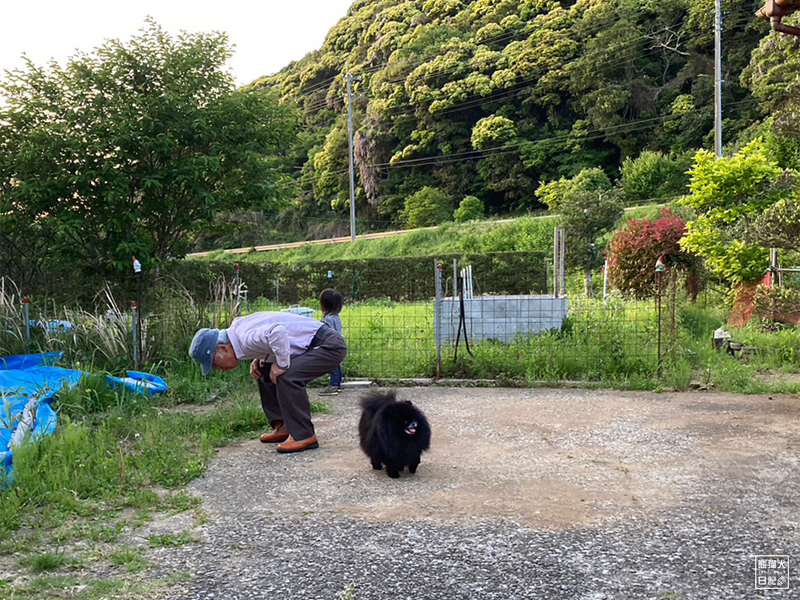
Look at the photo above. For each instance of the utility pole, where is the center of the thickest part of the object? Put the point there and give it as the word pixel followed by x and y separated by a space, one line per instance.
pixel 718 78
pixel 350 143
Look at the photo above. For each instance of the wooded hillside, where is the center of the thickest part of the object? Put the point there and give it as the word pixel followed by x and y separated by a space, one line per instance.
pixel 491 97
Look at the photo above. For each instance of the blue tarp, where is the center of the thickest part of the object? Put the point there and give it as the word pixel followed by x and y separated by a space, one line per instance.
pixel 27 385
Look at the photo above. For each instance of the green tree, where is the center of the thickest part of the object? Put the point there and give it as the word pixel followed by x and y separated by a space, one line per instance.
pixel 773 75
pixel 588 209
pixel 470 209
pixel 562 190
pixel 779 225
pixel 652 175
pixel 728 194
pixel 429 206
pixel 128 150
pixel 493 131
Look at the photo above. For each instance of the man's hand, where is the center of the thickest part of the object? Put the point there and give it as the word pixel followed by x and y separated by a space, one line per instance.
pixel 275 372
pixel 256 368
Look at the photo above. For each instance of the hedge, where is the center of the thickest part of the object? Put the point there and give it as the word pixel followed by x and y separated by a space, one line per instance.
pixel 400 279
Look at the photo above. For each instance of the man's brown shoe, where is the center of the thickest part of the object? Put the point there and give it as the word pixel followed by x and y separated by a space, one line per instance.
pixel 293 445
pixel 279 434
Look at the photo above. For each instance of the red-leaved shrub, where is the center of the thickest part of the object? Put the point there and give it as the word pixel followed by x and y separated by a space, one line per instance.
pixel 635 248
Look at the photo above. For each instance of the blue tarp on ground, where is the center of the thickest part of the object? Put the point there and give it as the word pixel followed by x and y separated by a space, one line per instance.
pixel 27 385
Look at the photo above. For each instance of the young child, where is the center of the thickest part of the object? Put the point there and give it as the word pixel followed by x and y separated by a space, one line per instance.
pixel 330 302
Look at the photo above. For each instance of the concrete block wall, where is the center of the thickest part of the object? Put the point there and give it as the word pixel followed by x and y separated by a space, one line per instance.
pixel 500 317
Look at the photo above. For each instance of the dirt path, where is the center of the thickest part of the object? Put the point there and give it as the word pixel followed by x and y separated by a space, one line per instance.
pixel 526 493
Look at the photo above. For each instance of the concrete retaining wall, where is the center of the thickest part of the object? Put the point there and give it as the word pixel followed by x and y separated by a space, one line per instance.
pixel 499 317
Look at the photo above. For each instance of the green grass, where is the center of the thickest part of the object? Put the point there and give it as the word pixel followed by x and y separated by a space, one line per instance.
pixel 525 233
pixel 77 587
pixel 93 458
pixel 171 540
pixel 47 561
pixel 130 559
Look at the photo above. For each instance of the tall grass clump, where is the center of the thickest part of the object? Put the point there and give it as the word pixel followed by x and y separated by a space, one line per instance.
pixel 176 316
pixel 12 319
pixel 108 447
pixel 599 341
pixel 103 338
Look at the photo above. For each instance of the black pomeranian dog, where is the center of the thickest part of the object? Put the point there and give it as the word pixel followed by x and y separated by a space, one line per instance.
pixel 393 433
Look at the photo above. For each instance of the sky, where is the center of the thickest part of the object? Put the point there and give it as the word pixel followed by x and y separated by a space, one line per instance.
pixel 267 34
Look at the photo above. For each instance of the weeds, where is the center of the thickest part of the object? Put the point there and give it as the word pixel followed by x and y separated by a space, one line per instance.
pixel 47 561
pixel 131 559
pixel 171 540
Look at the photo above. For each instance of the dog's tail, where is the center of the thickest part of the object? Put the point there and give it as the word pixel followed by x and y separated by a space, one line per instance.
pixel 375 401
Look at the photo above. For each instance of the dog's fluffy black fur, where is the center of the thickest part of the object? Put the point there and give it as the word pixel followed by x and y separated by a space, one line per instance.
pixel 393 433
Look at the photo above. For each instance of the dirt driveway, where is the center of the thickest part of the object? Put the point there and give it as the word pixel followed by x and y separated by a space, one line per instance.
pixel 526 493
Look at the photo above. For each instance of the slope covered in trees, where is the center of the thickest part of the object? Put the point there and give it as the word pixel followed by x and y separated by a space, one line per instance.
pixel 489 98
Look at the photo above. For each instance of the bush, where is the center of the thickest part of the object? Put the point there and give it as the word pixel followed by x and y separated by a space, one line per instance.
pixel 779 225
pixel 565 191
pixel 652 175
pixel 408 278
pixel 780 304
pixel 470 209
pixel 429 206
pixel 635 248
pixel 726 193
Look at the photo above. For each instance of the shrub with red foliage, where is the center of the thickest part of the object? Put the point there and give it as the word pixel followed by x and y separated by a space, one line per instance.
pixel 635 248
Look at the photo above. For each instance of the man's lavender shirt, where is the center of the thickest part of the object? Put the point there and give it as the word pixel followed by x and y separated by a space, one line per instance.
pixel 272 336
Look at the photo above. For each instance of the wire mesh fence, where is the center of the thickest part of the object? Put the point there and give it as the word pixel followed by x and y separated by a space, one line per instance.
pixel 464 330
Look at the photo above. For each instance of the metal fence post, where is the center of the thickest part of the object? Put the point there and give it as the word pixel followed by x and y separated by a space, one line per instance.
pixel 659 276
pixel 26 304
pixel 437 315
pixel 135 336
pixel 137 314
pixel 562 253
pixel 455 278
pixel 238 283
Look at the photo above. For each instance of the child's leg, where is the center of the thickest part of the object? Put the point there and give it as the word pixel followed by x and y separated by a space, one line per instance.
pixel 336 377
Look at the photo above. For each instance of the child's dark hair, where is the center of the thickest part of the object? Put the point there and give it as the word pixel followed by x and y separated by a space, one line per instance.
pixel 331 301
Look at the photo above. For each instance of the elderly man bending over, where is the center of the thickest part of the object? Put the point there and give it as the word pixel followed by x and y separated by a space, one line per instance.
pixel 287 351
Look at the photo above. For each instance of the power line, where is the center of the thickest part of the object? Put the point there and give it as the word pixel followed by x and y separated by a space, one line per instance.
pixel 487 41
pixel 516 89
pixel 483 42
pixel 617 48
pixel 622 128
pixel 508 148
pixel 507 93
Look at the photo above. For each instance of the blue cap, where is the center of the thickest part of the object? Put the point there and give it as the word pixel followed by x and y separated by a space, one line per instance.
pixel 203 347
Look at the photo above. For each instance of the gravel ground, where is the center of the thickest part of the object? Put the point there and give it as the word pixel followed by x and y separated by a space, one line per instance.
pixel 526 493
